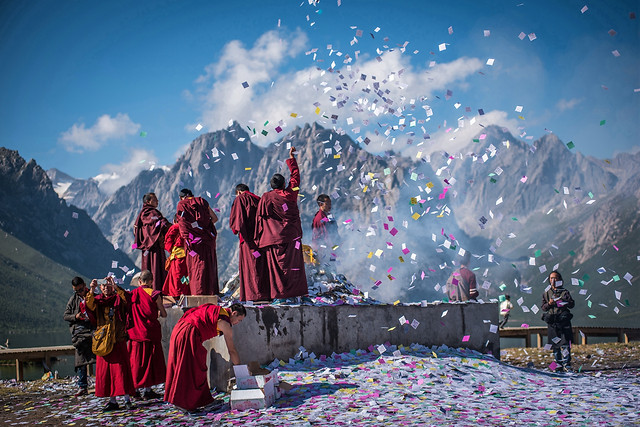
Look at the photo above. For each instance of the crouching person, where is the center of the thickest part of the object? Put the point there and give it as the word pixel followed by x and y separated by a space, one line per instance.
pixel 113 372
pixel 187 383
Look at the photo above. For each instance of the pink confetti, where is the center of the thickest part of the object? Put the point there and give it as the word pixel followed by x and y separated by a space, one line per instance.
pixel 616 248
pixel 466 338
pixel 297 244
pixel 285 207
pixel 256 254
pixel 553 366
pixel 406 251
pixel 393 231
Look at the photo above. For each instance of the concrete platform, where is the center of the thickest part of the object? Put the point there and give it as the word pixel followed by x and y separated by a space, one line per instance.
pixel 274 332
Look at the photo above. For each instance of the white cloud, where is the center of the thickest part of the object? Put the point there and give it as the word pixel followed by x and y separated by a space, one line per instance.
pixel 392 84
pixel 79 138
pixel 114 176
pixel 568 104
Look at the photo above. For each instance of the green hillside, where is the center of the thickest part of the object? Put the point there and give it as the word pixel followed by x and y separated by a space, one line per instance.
pixel 34 290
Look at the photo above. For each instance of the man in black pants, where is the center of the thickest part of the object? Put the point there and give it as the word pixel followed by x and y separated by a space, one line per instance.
pixel 81 323
pixel 556 302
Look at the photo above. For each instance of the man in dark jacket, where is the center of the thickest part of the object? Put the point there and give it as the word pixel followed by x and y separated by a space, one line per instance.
pixel 556 302
pixel 81 323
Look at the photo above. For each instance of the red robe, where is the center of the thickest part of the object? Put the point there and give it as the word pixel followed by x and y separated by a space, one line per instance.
pixel 187 384
pixel 145 340
pixel 324 233
pixel 279 234
pixel 174 284
pixel 199 234
pixel 149 229
pixel 251 264
pixel 113 371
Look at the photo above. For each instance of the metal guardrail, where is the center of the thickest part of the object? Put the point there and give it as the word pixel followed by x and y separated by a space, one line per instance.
pixel 21 355
pixel 580 334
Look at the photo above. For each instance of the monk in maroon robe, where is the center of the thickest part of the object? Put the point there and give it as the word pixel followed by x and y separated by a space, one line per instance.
pixel 324 231
pixel 113 371
pixel 196 221
pixel 187 384
pixel 253 279
pixel 145 337
pixel 177 281
pixel 279 234
pixel 149 229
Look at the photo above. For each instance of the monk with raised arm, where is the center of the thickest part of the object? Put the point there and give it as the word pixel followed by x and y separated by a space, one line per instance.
pixel 279 234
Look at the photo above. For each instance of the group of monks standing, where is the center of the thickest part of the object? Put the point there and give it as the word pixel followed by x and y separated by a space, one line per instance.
pixel 271 261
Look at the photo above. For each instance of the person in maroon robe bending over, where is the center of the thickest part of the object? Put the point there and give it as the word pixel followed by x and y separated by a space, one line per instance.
pixel 253 281
pixel 177 281
pixel 196 221
pixel 145 337
pixel 279 234
pixel 324 230
pixel 149 230
pixel 187 384
pixel 113 371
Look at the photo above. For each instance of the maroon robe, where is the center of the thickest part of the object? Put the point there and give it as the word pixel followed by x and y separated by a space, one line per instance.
pixel 279 234
pixel 187 384
pixel 324 232
pixel 113 371
pixel 251 264
pixel 177 282
pixel 199 234
pixel 145 340
pixel 149 229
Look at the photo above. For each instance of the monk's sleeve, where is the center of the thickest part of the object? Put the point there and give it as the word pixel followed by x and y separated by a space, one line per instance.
pixel 234 217
pixel 90 301
pixel 294 181
pixel 124 296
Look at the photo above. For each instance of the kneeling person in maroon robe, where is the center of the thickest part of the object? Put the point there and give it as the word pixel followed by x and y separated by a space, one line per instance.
pixel 187 384
pixel 113 372
pixel 196 221
pixel 251 264
pixel 279 234
pixel 145 337
pixel 149 229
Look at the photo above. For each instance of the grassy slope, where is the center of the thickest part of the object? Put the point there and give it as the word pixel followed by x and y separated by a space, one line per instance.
pixel 34 290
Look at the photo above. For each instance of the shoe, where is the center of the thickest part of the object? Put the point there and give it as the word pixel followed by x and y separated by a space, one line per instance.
pixel 129 405
pixel 307 300
pixel 149 395
pixel 278 301
pixel 111 406
pixel 81 392
pixel 136 395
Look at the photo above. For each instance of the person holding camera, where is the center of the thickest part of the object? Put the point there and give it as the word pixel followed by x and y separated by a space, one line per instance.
pixel 113 370
pixel 556 302
pixel 82 323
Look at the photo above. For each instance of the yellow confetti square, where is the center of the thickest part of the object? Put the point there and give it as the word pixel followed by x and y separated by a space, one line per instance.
pixel 370 255
pixel 294 115
pixel 429 184
pixel 247 169
pixel 414 200
pixel 318 110
pixel 336 156
pixel 415 216
pixel 396 302
pixel 296 188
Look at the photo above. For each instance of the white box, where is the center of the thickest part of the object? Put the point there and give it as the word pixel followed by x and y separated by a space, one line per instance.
pixel 255 398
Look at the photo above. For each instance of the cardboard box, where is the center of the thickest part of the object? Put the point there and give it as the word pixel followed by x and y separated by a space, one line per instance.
pixel 256 398
pixel 257 381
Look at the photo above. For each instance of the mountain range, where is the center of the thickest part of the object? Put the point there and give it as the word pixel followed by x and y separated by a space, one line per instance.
pixel 521 209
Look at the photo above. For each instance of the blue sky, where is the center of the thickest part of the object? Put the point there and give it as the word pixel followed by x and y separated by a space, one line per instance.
pixel 82 81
